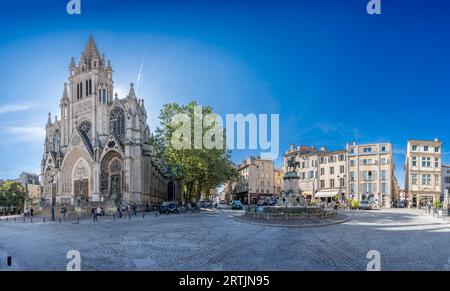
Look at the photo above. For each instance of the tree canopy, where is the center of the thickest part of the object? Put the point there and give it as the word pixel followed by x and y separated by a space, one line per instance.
pixel 199 169
pixel 12 194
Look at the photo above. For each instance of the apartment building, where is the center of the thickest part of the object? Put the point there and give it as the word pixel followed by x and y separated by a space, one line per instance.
pixel 307 170
pixel 259 179
pixel 331 174
pixel 370 172
pixel 423 171
pixel 321 172
pixel 445 185
pixel 278 181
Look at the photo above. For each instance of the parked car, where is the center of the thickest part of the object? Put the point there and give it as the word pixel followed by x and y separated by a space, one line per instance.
pixel 365 205
pixel 168 207
pixel 400 205
pixel 206 204
pixel 236 204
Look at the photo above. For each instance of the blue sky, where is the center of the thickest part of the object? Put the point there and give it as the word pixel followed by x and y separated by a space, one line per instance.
pixel 334 73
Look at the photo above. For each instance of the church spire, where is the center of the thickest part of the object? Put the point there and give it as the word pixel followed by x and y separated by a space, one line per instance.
pixel 91 52
pixel 65 92
pixel 131 93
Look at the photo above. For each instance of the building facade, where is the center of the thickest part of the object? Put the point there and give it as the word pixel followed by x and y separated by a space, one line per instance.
pixel 28 178
pixel 258 180
pixel 322 172
pixel 98 151
pixel 370 173
pixel 278 181
pixel 423 171
pixel 445 185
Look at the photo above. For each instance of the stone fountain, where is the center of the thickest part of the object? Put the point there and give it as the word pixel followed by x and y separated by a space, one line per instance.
pixel 291 196
pixel 291 205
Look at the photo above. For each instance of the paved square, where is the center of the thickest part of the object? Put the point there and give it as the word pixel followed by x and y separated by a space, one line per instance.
pixel 406 240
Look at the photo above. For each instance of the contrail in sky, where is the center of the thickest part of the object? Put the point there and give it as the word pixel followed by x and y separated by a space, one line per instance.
pixel 140 72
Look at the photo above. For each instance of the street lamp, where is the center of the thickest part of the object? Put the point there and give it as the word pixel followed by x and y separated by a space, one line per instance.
pixel 52 203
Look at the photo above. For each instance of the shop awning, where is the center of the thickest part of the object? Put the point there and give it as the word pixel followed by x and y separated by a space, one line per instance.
pixel 326 194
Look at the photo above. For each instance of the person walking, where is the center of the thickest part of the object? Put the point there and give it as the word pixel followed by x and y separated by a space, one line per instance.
pixel 63 212
pixel 129 211
pixel 31 211
pixel 119 211
pixel 134 209
pixel 53 213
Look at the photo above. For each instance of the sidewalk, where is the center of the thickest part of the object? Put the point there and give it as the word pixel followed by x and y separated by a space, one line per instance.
pixel 439 215
pixel 87 219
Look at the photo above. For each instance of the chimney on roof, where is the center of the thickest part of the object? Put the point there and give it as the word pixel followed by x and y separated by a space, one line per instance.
pixel 291 147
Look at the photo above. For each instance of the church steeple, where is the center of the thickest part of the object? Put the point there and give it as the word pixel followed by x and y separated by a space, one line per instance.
pixel 65 95
pixel 131 93
pixel 91 54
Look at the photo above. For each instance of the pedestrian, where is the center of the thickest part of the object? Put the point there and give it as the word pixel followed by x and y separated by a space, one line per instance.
pixel 31 211
pixel 119 211
pixel 147 208
pixel 53 213
pixel 63 212
pixel 134 209
pixel 94 212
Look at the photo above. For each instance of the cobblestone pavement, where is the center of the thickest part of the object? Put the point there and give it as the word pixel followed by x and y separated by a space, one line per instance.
pixel 406 240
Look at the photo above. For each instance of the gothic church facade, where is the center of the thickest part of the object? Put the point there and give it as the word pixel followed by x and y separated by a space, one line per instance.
pixel 98 152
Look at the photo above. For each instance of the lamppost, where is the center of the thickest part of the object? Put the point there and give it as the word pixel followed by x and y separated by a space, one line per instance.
pixel 52 203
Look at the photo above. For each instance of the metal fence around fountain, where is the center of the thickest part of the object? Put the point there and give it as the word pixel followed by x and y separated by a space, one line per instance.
pixel 288 213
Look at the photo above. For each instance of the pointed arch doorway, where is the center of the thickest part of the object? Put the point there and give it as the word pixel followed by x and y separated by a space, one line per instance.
pixel 111 184
pixel 80 178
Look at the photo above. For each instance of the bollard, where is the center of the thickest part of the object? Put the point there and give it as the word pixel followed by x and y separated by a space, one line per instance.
pixel 129 217
pixel 78 220
pixel 43 219
pixel 31 219
pixel 60 220
pixel 9 261
pixel 6 219
pixel 14 219
pixel 114 217
pixel 156 214
pixel 24 219
pixel 143 215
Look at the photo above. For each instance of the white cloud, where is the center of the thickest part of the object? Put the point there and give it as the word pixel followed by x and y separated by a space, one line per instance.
pixel 121 93
pixel 15 107
pixel 28 133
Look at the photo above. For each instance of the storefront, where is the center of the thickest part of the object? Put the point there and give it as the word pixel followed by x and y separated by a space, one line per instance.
pixel 327 195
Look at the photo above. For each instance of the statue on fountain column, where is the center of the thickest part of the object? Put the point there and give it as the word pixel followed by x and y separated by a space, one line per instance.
pixel 291 195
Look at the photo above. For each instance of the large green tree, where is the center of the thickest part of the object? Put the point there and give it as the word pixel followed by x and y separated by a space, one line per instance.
pixel 12 194
pixel 197 166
